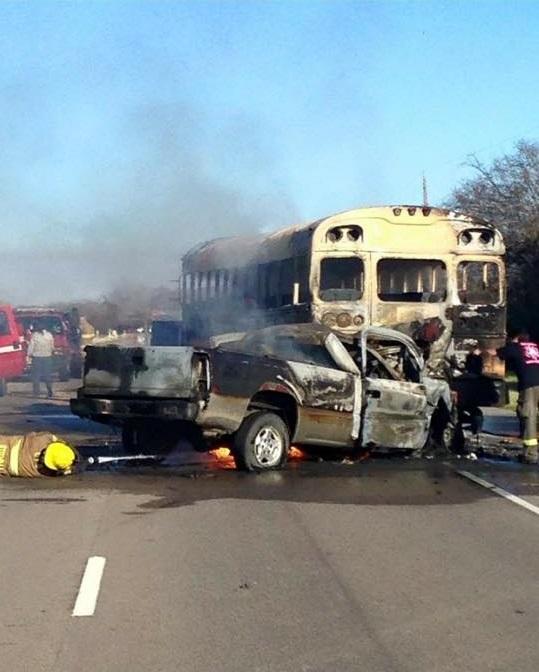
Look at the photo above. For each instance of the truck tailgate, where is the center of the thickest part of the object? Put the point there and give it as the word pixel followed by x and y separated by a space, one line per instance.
pixel 158 371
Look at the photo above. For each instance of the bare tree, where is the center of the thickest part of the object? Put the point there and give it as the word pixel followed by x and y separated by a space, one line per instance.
pixel 506 192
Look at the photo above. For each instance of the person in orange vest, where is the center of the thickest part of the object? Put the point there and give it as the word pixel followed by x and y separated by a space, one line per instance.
pixel 36 454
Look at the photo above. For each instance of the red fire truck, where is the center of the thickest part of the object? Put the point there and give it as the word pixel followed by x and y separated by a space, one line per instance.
pixel 12 352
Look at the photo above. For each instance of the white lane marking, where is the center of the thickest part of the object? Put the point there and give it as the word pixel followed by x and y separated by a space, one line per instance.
pixel 89 587
pixel 500 491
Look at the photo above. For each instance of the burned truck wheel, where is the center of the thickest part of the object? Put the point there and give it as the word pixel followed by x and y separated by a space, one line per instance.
pixel 261 443
pixel 445 433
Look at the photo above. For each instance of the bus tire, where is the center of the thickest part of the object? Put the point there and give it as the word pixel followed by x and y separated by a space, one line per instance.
pixel 261 443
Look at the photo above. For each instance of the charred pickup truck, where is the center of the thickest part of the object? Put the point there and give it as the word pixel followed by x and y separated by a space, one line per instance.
pixel 293 383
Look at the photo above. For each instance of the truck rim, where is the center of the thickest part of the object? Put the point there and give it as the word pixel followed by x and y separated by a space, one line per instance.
pixel 268 446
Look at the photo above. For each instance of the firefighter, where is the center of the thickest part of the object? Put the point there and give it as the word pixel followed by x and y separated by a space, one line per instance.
pixel 36 454
pixel 522 357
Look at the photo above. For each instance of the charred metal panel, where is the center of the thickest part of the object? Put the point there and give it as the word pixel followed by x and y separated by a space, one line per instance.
pixel 395 415
pixel 326 414
pixel 317 426
pixel 236 378
pixel 164 371
pixel 223 413
pixel 478 321
pixel 324 388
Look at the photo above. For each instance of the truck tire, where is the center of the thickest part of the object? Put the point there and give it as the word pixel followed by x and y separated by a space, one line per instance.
pixel 261 443
pixel 445 434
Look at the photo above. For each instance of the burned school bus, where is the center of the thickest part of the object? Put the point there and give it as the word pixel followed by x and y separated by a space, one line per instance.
pixel 433 274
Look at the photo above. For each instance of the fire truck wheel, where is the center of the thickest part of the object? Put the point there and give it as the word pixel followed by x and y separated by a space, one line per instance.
pixel 261 443
pixel 3 387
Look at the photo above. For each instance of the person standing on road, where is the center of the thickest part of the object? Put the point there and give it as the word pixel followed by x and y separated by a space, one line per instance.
pixel 522 357
pixel 40 349
pixel 36 454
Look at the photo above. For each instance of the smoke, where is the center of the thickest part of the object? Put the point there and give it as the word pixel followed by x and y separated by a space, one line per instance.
pixel 80 229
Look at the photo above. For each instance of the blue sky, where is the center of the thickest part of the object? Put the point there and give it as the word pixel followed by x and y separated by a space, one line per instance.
pixel 130 130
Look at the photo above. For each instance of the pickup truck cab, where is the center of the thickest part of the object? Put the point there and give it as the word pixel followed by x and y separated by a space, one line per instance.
pixel 286 384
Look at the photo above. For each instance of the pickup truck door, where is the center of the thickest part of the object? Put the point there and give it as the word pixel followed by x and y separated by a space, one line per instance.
pixel 326 416
pixel 395 414
pixel 395 411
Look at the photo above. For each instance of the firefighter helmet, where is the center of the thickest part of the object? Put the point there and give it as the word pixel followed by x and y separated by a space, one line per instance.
pixel 59 456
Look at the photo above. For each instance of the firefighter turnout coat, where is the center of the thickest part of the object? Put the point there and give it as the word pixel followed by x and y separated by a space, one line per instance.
pixel 22 455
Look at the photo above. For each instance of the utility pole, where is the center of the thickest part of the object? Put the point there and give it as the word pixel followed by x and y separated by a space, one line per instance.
pixel 425 195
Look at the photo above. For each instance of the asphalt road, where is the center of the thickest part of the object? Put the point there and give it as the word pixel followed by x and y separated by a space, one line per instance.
pixel 381 565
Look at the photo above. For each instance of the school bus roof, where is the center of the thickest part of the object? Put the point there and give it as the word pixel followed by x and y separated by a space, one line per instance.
pixel 428 229
pixel 222 253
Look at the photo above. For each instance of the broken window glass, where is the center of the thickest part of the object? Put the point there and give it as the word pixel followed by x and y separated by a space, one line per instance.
pixel 478 282
pixel 391 357
pixel 412 280
pixel 341 279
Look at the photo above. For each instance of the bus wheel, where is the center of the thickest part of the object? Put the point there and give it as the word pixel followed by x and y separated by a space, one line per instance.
pixel 261 443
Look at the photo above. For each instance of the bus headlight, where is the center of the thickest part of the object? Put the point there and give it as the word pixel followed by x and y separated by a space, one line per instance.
pixel 329 319
pixel 344 320
pixel 358 320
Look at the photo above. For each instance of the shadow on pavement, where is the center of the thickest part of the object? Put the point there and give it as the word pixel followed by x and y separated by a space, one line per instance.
pixel 394 482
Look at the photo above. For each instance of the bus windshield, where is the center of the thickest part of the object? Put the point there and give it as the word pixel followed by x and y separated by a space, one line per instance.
pixel 412 280
pixel 478 282
pixel 341 279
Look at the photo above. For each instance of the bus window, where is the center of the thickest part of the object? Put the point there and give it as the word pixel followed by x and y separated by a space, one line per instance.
pixel 301 270
pixel 412 280
pixel 272 287
pixel 202 286
pixel 187 292
pixel 286 282
pixel 478 282
pixel 341 279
